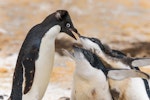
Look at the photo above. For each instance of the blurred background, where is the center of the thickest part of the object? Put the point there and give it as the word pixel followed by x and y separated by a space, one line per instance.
pixel 122 24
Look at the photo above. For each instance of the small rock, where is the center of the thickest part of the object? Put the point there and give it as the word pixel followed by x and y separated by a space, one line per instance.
pixel 1 97
pixel 64 98
pixel 3 70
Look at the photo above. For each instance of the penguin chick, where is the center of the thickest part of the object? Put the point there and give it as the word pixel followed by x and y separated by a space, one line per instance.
pixel 125 89
pixel 89 83
pixel 36 56
pixel 115 57
pixel 90 76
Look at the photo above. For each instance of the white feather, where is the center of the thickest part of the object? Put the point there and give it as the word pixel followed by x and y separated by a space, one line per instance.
pixel 136 90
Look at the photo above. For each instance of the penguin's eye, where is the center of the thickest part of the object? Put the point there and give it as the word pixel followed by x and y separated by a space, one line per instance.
pixel 68 25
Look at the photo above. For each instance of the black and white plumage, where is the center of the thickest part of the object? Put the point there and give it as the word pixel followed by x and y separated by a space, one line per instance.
pixel 36 56
pixel 125 89
pixel 116 56
pixel 90 80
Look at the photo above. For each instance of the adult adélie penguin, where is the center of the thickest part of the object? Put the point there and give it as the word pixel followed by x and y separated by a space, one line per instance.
pixel 36 56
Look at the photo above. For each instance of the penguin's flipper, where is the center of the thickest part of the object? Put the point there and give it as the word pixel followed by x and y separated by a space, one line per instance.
pixel 29 68
pixel 140 62
pixel 125 73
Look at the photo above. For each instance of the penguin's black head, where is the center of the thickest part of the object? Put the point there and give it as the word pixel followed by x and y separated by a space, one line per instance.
pixel 65 22
pixel 61 18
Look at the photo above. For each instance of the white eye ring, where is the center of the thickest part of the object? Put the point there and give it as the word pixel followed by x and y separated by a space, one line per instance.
pixel 68 25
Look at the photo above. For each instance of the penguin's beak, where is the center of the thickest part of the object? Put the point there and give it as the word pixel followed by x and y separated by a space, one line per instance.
pixel 71 31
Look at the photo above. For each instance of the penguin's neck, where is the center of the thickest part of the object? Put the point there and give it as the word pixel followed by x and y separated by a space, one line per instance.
pixel 84 69
pixel 47 47
pixel 47 51
pixel 52 33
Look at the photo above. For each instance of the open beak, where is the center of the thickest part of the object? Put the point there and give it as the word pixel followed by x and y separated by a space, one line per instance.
pixel 73 30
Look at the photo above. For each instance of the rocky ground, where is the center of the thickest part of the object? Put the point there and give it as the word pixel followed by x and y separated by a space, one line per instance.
pixel 122 24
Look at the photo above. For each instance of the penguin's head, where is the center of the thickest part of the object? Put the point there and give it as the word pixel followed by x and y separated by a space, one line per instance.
pixel 92 44
pixel 81 55
pixel 61 18
pixel 65 22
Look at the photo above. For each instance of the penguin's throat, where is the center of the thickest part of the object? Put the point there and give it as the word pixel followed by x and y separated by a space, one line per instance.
pixel 52 32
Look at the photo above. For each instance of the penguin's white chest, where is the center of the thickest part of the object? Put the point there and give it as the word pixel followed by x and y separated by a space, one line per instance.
pixel 43 65
pixel 136 90
pixel 90 90
pixel 130 89
pixel 90 84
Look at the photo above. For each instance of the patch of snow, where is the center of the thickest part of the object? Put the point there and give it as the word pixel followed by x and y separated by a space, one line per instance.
pixel 55 91
pixel 3 31
pixel 3 95
pixel 9 61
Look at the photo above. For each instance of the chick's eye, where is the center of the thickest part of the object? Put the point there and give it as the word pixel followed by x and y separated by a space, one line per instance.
pixel 68 25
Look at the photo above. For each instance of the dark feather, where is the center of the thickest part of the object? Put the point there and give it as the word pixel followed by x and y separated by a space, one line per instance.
pixel 29 66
